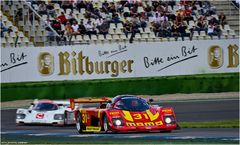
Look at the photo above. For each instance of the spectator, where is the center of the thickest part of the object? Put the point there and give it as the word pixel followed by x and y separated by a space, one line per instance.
pixel 99 22
pixel 222 19
pixel 214 30
pixel 82 28
pixel 19 15
pixel 156 19
pixel 164 17
pixel 134 30
pixel 67 4
pixel 182 30
pixel 62 18
pixel 174 30
pixel 75 28
pixel 165 29
pixel 69 32
pixel 105 6
pixel 90 29
pixel 143 22
pixel 71 18
pixel 116 19
pixel 50 33
pixel 103 29
pixel 81 5
pixel 42 9
pixel 187 14
pixel 4 29
pixel 61 40
pixel 127 28
pixel 201 25
pixel 50 10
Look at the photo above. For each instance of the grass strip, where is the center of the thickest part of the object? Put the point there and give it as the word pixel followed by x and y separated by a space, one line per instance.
pixel 211 124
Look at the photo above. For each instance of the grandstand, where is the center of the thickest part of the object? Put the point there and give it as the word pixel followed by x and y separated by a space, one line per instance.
pixel 45 23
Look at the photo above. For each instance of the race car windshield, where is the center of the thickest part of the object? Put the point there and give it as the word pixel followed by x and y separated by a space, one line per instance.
pixel 132 104
pixel 45 107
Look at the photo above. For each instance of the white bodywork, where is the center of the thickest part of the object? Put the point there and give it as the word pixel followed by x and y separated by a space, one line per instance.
pixel 63 115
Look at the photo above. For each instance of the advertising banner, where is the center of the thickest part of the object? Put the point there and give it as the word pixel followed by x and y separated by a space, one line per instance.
pixel 84 62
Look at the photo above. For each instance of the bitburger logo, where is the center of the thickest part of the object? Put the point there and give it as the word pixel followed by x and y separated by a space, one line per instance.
pixel 45 63
pixel 215 56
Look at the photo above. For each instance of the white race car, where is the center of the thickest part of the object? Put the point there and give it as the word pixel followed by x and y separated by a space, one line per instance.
pixel 46 112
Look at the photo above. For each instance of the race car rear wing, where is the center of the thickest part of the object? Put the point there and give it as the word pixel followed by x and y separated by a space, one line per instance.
pixel 88 100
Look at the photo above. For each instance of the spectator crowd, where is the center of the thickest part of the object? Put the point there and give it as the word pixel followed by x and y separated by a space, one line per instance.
pixel 164 18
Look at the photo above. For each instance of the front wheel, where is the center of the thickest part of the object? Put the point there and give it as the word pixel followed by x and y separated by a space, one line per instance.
pixel 79 124
pixel 105 124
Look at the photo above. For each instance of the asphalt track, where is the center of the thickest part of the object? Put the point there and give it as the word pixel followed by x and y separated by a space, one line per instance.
pixel 205 110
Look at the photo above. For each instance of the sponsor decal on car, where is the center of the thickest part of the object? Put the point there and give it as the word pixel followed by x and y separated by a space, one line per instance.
pixel 40 116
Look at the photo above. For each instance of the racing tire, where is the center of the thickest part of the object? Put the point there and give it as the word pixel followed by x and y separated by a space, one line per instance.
pixel 79 124
pixel 65 118
pixel 106 127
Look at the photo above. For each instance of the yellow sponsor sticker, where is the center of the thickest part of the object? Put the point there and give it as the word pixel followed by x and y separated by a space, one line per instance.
pixel 93 129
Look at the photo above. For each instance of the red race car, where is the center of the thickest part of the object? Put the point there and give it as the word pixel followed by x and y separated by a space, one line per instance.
pixel 123 113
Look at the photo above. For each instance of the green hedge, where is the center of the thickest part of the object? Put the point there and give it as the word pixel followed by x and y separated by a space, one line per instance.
pixel 208 83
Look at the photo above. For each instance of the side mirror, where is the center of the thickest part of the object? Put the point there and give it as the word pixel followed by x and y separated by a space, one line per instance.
pixel 151 100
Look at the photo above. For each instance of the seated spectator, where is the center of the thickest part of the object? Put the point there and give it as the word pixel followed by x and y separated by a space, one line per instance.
pixel 127 28
pixel 61 40
pixel 174 30
pixel 105 5
pixel 222 19
pixel 62 18
pixel 201 25
pixel 50 33
pixel 67 4
pixel 89 6
pixel 213 21
pixel 148 10
pixel 156 28
pixel 69 32
pixel 119 7
pixel 179 18
pixel 4 29
pixel 42 9
pixel 71 18
pixel 81 4
pixel 103 29
pixel 56 25
pixel 99 22
pixel 187 14
pixel 82 28
pixel 112 8
pixel 50 10
pixel 134 30
pixel 116 19
pixel 214 30
pixel 165 29
pixel 182 30
pixel 75 27
pixel 90 29
pixel 164 17
pixel 143 22
pixel 156 19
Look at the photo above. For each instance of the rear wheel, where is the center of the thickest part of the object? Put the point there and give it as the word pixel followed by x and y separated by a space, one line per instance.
pixel 79 124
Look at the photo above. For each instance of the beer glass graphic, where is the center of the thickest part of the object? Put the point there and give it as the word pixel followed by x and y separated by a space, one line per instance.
pixel 45 63
pixel 215 57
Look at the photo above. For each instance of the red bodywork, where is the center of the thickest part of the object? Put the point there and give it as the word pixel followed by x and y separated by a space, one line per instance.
pixel 152 119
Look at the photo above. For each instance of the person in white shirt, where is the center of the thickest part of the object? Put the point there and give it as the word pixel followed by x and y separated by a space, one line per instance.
pixel 90 29
pixel 99 22
pixel 75 27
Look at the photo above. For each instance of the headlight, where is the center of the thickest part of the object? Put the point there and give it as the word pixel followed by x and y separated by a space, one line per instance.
pixel 20 116
pixel 58 116
pixel 117 121
pixel 168 120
